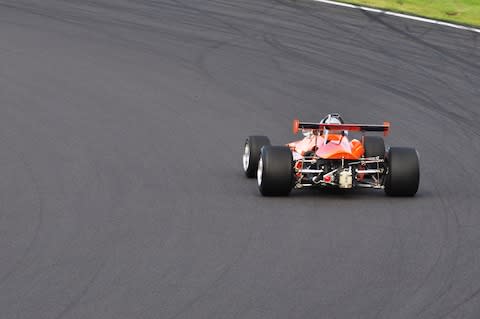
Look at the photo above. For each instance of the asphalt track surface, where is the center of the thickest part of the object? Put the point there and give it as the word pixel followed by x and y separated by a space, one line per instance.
pixel 121 188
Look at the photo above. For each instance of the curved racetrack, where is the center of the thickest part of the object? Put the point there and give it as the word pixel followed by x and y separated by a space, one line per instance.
pixel 121 189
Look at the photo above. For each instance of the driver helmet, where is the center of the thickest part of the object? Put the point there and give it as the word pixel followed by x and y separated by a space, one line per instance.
pixel 333 118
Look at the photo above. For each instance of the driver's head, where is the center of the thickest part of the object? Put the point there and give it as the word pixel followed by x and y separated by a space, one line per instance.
pixel 333 118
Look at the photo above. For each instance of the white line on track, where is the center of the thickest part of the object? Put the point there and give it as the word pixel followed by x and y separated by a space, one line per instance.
pixel 401 15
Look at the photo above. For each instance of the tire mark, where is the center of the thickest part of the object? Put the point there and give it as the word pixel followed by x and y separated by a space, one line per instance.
pixel 216 282
pixel 76 300
pixel 40 215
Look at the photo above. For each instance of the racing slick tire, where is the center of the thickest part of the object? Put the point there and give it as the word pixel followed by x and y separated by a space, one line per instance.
pixel 403 176
pixel 251 154
pixel 374 146
pixel 275 171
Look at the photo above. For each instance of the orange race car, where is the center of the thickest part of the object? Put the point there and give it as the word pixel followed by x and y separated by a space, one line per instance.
pixel 326 157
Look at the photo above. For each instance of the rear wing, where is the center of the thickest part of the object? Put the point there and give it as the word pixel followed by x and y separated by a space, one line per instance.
pixel 385 128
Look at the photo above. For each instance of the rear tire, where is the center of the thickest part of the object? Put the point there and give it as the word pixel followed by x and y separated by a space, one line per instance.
pixel 251 154
pixel 374 146
pixel 403 176
pixel 275 171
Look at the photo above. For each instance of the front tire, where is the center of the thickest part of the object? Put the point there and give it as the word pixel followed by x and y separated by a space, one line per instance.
pixel 275 171
pixel 251 154
pixel 403 176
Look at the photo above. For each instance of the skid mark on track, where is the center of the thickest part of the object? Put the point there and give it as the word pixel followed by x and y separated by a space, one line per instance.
pixel 216 282
pixel 38 226
pixel 78 298
pixel 444 53
pixel 449 250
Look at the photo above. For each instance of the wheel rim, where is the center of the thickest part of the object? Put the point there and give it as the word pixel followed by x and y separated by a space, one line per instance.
pixel 260 172
pixel 246 157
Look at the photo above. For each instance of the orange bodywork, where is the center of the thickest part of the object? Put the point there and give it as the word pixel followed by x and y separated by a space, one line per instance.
pixel 337 147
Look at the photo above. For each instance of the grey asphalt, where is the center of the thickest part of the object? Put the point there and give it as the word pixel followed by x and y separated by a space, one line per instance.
pixel 121 189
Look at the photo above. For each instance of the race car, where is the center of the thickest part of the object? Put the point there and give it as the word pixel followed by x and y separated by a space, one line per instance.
pixel 327 157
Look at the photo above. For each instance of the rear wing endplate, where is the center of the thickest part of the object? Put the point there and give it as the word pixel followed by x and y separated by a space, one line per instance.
pixel 385 128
